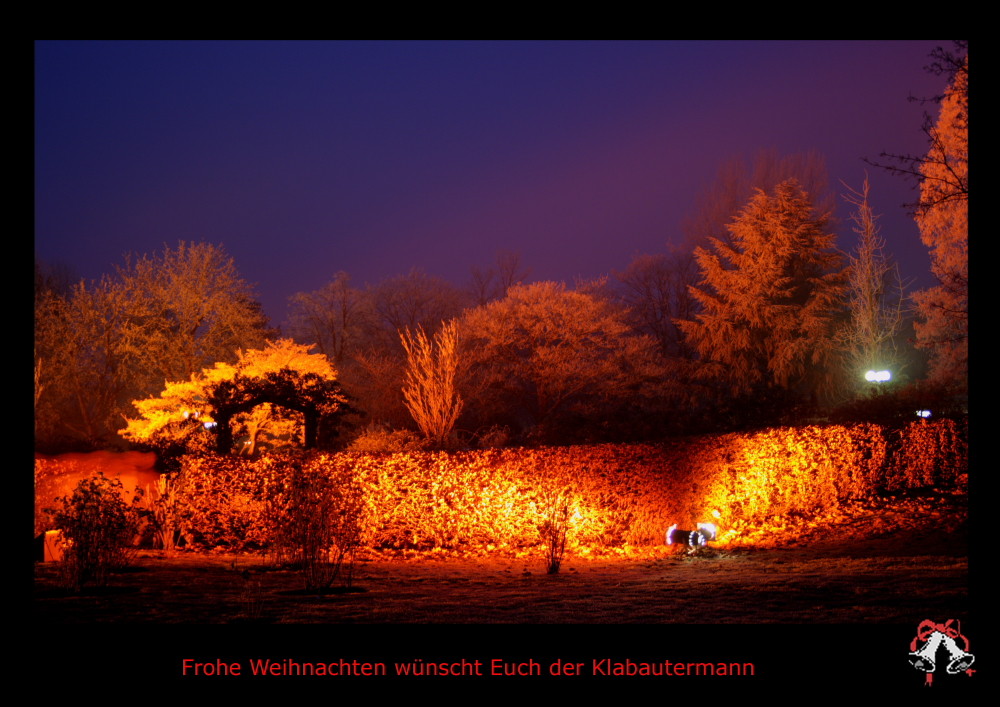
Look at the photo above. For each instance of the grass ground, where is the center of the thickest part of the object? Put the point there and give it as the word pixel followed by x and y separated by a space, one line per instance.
pixel 895 561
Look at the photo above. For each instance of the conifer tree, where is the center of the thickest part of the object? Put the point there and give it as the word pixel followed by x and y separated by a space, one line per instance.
pixel 770 300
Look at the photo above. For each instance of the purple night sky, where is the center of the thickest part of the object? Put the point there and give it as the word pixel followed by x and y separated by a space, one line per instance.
pixel 305 158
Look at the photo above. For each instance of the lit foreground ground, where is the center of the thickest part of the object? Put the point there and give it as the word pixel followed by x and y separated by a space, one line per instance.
pixel 881 564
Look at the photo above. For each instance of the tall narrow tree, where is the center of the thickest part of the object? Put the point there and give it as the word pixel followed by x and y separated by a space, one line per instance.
pixel 429 391
pixel 875 297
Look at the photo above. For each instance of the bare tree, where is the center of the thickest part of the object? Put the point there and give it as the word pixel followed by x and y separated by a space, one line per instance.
pixel 334 318
pixel 413 300
pixel 429 391
pixel 737 181
pixel 875 295
pixel 493 282
pixel 510 270
pixel 655 289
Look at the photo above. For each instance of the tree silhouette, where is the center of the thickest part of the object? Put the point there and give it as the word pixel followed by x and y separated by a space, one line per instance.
pixel 737 180
pixel 655 290
pixel 335 318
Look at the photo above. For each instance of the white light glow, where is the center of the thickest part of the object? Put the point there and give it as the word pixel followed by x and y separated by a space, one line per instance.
pixel 877 376
pixel 707 530
pixel 670 531
pixel 923 413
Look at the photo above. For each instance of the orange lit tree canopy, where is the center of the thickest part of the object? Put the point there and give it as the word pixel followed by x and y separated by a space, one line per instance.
pixel 942 323
pixel 770 302
pixel 254 397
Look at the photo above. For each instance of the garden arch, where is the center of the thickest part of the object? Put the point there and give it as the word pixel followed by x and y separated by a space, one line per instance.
pixel 318 399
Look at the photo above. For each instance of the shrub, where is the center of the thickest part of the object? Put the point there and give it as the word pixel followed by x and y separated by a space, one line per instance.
pixel 221 501
pixel 495 436
pixel 317 522
pixel 928 454
pixel 557 507
pixel 377 438
pixel 159 505
pixel 98 529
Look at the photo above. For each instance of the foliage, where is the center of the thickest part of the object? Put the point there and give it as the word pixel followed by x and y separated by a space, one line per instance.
pixel 98 529
pixel 317 521
pixel 943 218
pixel 281 375
pixel 193 306
pixel 430 392
pixel 769 301
pixel 545 351
pixel 158 503
pixel 378 439
pixel 105 343
pixel 87 362
pixel 929 456
pixel 318 399
pixel 220 503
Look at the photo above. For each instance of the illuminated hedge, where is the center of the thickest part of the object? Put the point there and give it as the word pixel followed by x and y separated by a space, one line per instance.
pixel 621 494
